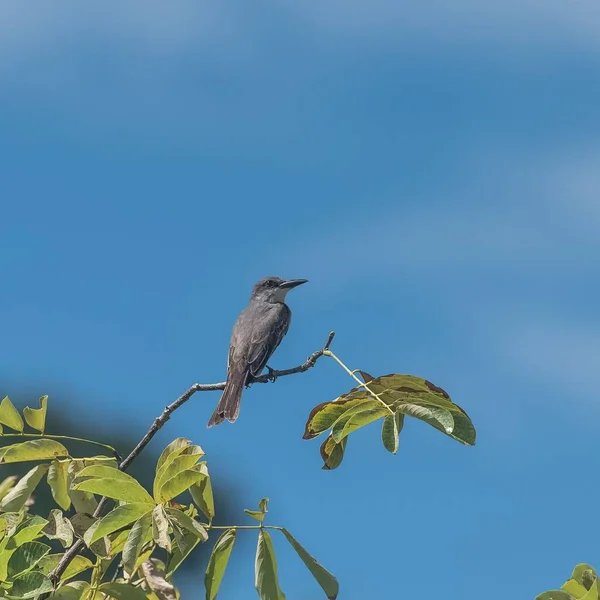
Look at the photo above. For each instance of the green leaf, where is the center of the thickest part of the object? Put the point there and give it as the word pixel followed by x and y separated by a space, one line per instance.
pixel 324 578
pixel 40 449
pixel 58 481
pixel 186 522
pixel 16 498
pixel 584 574
pixel 332 453
pixel 259 515
pixel 77 590
pixel 175 447
pixel 179 555
pixel 10 416
pixel 218 563
pixel 122 591
pixel 265 569
pixel 390 432
pixel 116 519
pixel 83 502
pixel 28 530
pixel 30 585
pixel 202 493
pixel 7 485
pixel 117 542
pixel 423 400
pixel 180 483
pixel 357 417
pixel 323 416
pixel 22 529
pixel 36 417
pixel 593 592
pixel 59 528
pixel 77 565
pixel 575 589
pixel 139 538
pixel 25 557
pixel 112 483
pixel 81 523
pixel 160 528
pixel 554 595
pixel 178 461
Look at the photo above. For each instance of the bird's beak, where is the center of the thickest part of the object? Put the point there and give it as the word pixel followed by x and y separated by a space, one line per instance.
pixel 292 283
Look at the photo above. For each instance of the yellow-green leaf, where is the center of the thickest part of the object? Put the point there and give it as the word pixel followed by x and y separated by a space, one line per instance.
pixel 357 417
pixel 186 522
pixel 16 498
pixel 160 528
pixel 36 417
pixel 202 494
pixel 59 528
pixel 77 565
pixel 390 432
pixel 58 474
pixel 83 502
pixel 175 448
pixel 332 453
pixel 27 530
pixel 116 519
pixel 112 483
pixel 26 557
pixel 173 466
pixel 265 569
pixel 138 540
pixel 179 483
pixel 30 585
pixel 424 400
pixel 77 590
pixel 10 416
pixel 7 485
pixel 179 554
pixel 122 591
pixel 40 449
pixel 323 416
pixel 218 563
pixel 324 578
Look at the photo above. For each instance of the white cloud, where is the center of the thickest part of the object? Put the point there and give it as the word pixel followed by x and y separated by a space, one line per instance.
pixel 222 28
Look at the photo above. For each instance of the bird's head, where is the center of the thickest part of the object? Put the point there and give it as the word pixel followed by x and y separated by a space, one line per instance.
pixel 274 289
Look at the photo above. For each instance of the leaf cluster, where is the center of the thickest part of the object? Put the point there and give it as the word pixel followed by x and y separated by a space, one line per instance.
pixel 582 585
pixel 142 540
pixel 389 398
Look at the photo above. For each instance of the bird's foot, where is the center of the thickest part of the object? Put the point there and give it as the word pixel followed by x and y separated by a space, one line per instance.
pixel 271 376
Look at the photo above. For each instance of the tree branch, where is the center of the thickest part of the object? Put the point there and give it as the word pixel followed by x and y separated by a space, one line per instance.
pixel 159 422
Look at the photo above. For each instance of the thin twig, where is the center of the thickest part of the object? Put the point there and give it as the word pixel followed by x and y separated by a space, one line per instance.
pixel 310 362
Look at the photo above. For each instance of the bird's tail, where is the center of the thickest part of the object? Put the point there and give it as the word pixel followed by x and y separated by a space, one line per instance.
pixel 229 404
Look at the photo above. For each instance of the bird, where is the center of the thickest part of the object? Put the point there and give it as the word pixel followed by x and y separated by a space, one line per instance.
pixel 256 334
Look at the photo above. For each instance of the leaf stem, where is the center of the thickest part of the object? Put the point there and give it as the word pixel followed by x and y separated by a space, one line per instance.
pixel 362 384
pixel 59 437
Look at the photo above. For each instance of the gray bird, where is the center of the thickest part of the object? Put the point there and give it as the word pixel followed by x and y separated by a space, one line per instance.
pixel 256 334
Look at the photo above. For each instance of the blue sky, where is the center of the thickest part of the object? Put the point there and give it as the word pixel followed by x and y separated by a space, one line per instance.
pixel 432 170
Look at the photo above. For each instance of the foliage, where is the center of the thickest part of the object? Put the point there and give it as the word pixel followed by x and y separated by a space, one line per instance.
pixel 81 551
pixel 142 540
pixel 583 585
pixel 388 398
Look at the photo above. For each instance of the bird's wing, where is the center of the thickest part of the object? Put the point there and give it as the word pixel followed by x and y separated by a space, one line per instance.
pixel 266 336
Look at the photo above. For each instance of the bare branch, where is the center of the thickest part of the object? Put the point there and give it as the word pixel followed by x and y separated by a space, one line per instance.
pixel 310 362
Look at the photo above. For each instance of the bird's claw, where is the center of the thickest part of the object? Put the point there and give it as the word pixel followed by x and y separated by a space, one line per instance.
pixel 271 376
